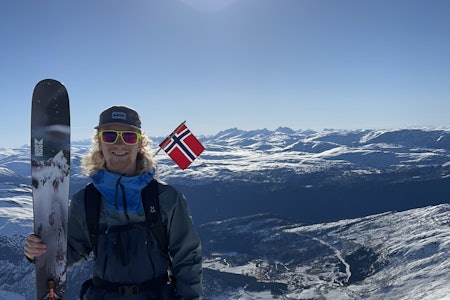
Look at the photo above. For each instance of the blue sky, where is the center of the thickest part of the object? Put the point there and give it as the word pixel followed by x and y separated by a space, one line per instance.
pixel 250 64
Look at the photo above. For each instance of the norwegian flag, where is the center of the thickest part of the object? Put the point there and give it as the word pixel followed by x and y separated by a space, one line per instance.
pixel 182 146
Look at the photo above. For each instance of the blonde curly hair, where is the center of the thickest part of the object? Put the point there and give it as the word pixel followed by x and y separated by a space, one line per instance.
pixel 93 161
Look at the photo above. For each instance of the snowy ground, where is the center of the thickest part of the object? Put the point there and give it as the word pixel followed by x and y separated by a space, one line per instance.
pixel 393 255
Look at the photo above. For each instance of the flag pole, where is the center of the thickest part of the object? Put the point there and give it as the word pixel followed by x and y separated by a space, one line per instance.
pixel 170 136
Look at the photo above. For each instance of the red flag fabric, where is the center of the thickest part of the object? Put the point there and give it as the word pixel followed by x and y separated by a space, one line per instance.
pixel 182 146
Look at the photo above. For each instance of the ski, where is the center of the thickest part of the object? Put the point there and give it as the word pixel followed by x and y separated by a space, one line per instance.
pixel 50 176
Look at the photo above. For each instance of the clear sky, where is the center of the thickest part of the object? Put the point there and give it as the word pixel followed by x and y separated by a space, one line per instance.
pixel 250 64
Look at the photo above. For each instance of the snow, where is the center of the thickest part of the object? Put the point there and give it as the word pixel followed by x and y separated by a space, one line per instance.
pixel 411 246
pixel 416 243
pixel 10 296
pixel 15 212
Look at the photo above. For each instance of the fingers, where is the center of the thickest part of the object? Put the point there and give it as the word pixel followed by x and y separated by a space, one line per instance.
pixel 34 247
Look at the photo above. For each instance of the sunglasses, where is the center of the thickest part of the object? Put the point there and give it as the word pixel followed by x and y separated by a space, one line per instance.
pixel 111 136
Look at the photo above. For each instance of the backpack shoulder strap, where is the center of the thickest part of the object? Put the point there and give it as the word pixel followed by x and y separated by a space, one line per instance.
pixel 153 218
pixel 92 207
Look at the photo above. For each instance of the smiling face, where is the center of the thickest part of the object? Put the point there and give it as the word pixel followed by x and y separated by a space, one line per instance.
pixel 120 157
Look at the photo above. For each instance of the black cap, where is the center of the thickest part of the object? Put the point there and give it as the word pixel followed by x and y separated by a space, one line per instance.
pixel 120 115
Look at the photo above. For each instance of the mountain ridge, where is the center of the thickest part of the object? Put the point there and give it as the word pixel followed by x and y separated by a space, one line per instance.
pixel 286 213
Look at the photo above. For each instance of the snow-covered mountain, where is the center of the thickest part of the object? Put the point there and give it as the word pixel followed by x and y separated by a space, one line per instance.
pixel 289 214
pixel 401 255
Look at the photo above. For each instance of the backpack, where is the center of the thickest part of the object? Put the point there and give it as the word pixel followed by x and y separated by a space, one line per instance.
pixel 150 202
pixel 153 220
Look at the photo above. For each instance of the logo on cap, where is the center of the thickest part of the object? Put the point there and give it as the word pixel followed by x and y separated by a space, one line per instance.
pixel 119 115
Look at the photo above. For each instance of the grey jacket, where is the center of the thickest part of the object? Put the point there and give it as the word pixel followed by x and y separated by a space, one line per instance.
pixel 184 243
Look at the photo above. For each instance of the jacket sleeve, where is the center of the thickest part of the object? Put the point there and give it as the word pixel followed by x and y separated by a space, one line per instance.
pixel 184 244
pixel 78 242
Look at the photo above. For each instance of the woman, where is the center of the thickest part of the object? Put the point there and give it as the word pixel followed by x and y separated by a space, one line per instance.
pixel 120 166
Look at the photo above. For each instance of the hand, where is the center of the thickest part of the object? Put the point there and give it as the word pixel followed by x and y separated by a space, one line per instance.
pixel 34 247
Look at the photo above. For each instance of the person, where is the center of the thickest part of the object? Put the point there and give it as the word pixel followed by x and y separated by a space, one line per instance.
pixel 120 165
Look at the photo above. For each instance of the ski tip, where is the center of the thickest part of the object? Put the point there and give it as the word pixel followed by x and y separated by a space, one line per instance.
pixel 49 81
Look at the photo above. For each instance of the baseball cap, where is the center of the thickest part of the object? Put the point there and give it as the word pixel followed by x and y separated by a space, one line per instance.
pixel 120 115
